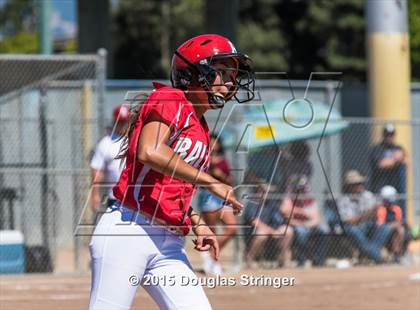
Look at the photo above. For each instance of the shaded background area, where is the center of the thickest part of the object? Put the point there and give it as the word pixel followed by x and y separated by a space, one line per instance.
pixel 294 36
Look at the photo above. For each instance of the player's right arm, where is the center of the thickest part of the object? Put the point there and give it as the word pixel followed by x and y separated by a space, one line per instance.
pixel 97 177
pixel 152 150
pixel 97 165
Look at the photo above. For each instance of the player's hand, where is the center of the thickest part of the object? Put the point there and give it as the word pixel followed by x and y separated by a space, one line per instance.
pixel 225 192
pixel 205 240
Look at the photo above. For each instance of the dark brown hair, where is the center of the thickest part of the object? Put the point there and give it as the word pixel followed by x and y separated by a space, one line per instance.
pixel 135 109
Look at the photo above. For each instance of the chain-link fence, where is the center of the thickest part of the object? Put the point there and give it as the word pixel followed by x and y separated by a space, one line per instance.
pixel 54 120
pixel 42 102
pixel 324 201
pixel 344 203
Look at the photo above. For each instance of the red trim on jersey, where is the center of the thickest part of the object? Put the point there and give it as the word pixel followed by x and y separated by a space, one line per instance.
pixel 141 187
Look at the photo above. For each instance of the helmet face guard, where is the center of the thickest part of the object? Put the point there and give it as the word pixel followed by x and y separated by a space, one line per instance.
pixel 204 74
pixel 244 81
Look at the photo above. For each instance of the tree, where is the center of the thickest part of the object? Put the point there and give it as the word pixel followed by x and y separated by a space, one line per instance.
pixel 261 36
pixel 304 36
pixel 145 34
pixel 17 16
pixel 331 37
pixel 17 24
pixel 22 43
pixel 414 31
pixel 298 36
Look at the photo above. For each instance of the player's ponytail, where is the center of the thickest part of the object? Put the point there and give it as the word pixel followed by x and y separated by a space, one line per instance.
pixel 135 108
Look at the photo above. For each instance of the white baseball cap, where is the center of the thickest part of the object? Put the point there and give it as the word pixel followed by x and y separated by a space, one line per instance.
pixel 388 193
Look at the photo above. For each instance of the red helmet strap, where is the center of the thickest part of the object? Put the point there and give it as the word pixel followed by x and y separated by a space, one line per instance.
pixel 216 102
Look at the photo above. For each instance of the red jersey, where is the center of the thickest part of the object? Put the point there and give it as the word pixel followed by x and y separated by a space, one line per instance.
pixel 143 188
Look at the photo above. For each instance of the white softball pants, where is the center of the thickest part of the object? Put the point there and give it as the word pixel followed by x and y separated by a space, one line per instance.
pixel 126 249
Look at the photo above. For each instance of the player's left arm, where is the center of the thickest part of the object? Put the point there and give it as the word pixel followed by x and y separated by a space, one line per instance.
pixel 205 238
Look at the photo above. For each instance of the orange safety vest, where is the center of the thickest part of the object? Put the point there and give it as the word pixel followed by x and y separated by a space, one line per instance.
pixel 382 212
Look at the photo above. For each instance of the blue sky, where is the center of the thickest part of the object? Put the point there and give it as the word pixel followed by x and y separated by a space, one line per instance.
pixel 63 18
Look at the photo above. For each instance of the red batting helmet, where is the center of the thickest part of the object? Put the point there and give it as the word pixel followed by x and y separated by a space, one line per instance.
pixel 192 64
pixel 121 113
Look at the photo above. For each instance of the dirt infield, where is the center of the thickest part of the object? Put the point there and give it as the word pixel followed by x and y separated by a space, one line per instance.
pixel 382 287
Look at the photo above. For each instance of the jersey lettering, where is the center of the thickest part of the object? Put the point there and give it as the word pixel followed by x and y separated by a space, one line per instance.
pixel 182 146
pixel 195 154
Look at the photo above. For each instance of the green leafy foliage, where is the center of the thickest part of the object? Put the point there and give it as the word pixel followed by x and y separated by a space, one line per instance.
pixel 22 43
pixel 304 36
pixel 17 16
pixel 260 35
pixel 145 33
pixel 414 30
pixel 281 35
pixel 17 24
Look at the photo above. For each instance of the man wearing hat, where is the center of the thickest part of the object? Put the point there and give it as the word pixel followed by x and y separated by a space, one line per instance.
pixel 388 163
pixel 357 209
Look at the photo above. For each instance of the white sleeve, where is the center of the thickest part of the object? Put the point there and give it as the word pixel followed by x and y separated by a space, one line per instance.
pixel 344 208
pixel 370 201
pixel 98 161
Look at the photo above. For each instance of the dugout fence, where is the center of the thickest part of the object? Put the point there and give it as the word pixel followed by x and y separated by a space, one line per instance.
pixel 42 99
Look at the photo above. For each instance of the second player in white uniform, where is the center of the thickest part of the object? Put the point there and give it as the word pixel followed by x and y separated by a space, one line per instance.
pixel 105 168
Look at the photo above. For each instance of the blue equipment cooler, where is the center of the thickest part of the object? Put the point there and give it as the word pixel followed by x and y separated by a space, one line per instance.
pixel 12 252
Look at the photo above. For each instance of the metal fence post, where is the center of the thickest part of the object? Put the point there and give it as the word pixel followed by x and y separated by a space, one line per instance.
pixel 101 79
pixel 44 165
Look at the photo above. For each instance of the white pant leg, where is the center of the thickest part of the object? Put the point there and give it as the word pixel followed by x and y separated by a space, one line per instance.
pixel 119 250
pixel 173 263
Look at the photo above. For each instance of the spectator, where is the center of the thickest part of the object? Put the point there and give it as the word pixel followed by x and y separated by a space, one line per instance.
pixel 297 163
pixel 211 207
pixel 357 209
pixel 389 213
pixel 304 215
pixel 267 221
pixel 105 168
pixel 388 163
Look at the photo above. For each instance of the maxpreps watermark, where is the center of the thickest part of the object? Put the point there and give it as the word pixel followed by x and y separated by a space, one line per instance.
pixel 213 282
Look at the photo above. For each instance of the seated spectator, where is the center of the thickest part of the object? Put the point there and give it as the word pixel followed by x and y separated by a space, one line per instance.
pixel 267 221
pixel 389 213
pixel 357 209
pixel 331 215
pixel 304 214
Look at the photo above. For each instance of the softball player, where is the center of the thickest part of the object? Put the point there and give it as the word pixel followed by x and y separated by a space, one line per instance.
pixel 167 155
pixel 105 169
